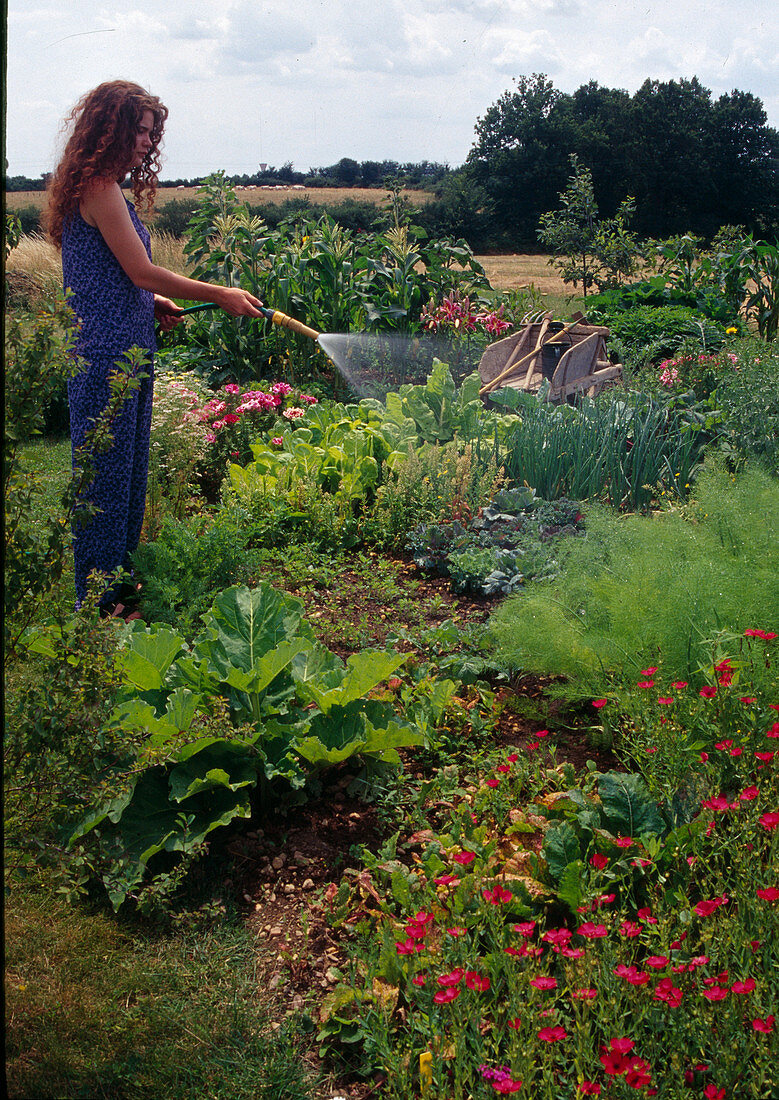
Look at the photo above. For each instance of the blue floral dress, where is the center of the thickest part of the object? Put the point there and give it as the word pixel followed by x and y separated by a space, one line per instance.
pixel 114 316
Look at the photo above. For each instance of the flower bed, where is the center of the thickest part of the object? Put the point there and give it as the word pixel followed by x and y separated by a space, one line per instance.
pixel 551 939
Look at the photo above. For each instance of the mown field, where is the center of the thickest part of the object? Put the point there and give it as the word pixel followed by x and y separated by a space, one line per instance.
pixel 321 196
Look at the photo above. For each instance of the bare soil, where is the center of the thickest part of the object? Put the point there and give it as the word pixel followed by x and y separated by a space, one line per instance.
pixel 289 865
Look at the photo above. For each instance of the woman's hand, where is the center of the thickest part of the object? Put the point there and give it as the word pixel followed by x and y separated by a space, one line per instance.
pixel 237 302
pixel 168 314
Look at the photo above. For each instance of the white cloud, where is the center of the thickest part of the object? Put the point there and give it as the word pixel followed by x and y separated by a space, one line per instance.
pixel 313 81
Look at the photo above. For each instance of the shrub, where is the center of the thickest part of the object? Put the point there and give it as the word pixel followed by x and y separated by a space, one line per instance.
pixel 174 216
pixel 748 401
pixel 652 333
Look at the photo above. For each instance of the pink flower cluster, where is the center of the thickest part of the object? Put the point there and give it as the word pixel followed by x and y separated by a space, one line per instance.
pixel 670 368
pixel 232 405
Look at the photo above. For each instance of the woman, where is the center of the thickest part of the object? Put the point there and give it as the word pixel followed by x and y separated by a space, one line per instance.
pixel 116 294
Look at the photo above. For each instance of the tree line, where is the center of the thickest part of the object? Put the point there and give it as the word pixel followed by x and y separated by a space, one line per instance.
pixel 690 162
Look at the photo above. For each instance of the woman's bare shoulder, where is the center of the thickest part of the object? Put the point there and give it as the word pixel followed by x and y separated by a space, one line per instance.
pixel 101 195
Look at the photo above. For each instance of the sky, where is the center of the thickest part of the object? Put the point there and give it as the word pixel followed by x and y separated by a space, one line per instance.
pixel 251 82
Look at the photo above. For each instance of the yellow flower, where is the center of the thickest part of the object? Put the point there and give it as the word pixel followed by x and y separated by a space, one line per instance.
pixel 731 331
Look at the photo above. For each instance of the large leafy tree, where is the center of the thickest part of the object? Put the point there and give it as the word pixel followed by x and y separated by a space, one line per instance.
pixel 692 164
pixel 746 152
pixel 520 156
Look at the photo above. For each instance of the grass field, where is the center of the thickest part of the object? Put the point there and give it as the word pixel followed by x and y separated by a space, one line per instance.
pixel 322 196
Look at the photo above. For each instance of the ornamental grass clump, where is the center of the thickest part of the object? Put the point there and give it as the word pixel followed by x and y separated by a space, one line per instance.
pixel 658 980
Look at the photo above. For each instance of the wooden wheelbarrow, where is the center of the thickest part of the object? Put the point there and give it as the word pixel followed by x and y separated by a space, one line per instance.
pixel 571 356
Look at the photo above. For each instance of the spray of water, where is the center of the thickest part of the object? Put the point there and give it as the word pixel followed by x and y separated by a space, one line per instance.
pixel 374 364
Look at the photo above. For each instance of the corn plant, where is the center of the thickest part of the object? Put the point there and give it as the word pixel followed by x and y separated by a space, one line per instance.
pixel 763 300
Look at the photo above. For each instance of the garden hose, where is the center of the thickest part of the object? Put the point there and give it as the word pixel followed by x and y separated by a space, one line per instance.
pixel 273 315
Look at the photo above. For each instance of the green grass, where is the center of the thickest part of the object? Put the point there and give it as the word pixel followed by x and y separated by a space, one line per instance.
pixel 97 1008
pixel 49 460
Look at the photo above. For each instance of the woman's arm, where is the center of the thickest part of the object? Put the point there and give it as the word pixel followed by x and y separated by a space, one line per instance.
pixel 104 207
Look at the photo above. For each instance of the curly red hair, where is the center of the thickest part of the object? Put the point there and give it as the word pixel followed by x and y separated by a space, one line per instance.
pixel 104 125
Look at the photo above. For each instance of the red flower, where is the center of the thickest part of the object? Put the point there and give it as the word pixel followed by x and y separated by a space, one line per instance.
pixel 706 908
pixel 452 978
pixel 743 987
pixel 637 1075
pixel 506 1085
pixel 631 974
pixel 748 794
pixel 707 692
pixel 418 979
pixel 747 699
pixel 679 684
pixel 592 931
pixel 766 635
pixel 645 684
pixel 622 1045
pixel 497 895
pixel 773 731
pixel 664 701
pixel 476 981
pixel 585 994
pixel 571 952
pixel 624 841
pixel 524 928
pixel 613 1062
pixel 645 914
pixel 446 880
pixel 716 993
pixel 599 703
pixel 765 1026
pixel 769 893
pixel 766 757
pixel 649 671
pixel 711 1092
pixel 770 820
pixel 444 996
pixel 599 861
pixel 657 962
pixel 515 1023
pixel 557 936
pixel 544 981
pixel 464 858
pixel 668 992
pixel 552 1034
pixel 457 930
pixel 493 783
pixel 630 929
pixel 718 803
pixel 590 1088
